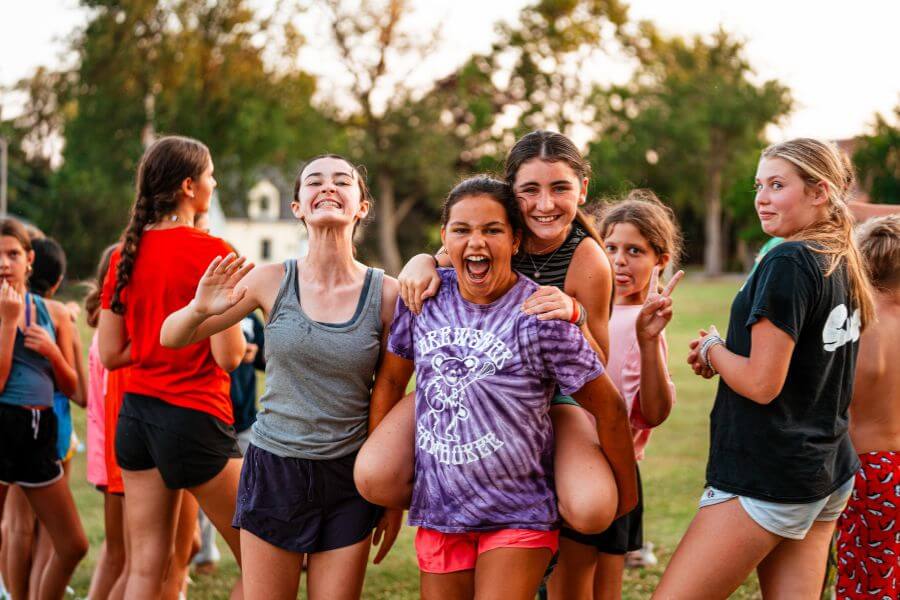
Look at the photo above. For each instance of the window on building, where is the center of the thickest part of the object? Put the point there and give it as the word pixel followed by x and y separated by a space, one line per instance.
pixel 264 204
pixel 266 250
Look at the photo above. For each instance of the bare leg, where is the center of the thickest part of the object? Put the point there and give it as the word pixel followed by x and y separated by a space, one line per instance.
pixel 270 573
pixel 585 485
pixel 459 585
pixel 796 568
pixel 111 562
pixel 721 547
pixel 118 590
pixel 573 576
pixel 510 573
pixel 177 570
pixel 40 560
pixel 385 464
pixel 56 511
pixel 150 516
pixel 609 576
pixel 338 574
pixel 21 534
pixel 217 498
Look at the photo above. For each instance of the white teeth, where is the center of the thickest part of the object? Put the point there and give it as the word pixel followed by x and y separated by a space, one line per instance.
pixel 477 258
pixel 328 204
pixel 545 219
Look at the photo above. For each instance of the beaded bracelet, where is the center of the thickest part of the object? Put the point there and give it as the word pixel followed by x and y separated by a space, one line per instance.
pixel 706 346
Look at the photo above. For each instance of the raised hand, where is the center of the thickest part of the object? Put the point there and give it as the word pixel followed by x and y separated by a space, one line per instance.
pixel 11 303
pixel 218 288
pixel 656 312
pixel 550 302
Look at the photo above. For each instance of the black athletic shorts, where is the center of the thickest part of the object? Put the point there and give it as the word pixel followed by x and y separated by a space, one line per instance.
pixel 189 447
pixel 625 534
pixel 302 505
pixel 28 454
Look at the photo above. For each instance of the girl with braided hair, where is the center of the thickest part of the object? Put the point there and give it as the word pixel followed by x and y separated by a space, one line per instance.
pixel 174 430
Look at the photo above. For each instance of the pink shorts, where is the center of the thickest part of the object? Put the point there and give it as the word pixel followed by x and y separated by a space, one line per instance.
pixel 449 552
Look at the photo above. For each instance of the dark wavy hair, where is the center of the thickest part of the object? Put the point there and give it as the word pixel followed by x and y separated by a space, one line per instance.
pixel 485 185
pixel 164 166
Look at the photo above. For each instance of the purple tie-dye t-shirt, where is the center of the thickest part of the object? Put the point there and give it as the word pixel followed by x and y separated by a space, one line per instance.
pixel 485 374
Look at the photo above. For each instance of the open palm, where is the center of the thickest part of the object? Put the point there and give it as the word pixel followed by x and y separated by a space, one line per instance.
pixel 657 309
pixel 218 288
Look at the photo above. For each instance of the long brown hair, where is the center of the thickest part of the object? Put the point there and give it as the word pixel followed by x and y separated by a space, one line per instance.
pixel 551 146
pixel 654 220
pixel 818 162
pixel 164 166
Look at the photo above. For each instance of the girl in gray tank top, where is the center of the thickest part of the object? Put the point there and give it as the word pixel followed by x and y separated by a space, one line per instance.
pixel 327 320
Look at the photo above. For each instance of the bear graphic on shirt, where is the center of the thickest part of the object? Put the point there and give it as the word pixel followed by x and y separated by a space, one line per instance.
pixel 445 393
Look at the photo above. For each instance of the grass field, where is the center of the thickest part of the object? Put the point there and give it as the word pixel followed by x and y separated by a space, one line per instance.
pixel 672 472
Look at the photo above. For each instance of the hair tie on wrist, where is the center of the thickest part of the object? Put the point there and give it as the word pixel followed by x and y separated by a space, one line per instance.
pixel 576 312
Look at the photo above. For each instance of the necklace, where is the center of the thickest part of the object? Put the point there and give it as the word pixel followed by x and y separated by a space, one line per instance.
pixel 537 270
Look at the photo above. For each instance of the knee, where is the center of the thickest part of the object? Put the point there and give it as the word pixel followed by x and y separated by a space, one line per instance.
pixel 73 551
pixel 375 482
pixel 589 513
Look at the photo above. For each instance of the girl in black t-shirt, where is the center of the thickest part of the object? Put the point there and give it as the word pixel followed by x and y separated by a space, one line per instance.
pixel 781 464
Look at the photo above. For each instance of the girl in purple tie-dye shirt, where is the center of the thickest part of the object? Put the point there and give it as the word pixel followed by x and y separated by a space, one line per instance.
pixel 485 374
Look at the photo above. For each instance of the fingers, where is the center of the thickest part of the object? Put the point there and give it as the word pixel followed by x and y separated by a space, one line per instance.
pixel 242 271
pixel 654 280
pixel 238 295
pixel 433 286
pixel 213 266
pixel 670 287
pixel 561 314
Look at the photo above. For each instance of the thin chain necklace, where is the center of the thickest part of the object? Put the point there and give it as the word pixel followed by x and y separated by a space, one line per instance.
pixel 537 271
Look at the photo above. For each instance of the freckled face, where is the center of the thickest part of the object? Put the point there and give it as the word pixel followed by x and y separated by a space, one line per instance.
pixel 549 194
pixel 784 202
pixel 329 194
pixel 633 259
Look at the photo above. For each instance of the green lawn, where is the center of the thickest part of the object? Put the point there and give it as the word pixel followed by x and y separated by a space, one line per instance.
pixel 672 471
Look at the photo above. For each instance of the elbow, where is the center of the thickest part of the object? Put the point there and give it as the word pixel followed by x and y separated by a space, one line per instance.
pixel 167 339
pixel 229 363
pixel 765 392
pixel 656 417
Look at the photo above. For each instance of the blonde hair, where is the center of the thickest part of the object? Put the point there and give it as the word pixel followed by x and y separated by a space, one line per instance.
pixel 822 162
pixel 879 244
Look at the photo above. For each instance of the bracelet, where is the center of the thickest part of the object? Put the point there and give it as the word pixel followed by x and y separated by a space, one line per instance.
pixel 582 315
pixel 706 346
pixel 437 265
pixel 576 312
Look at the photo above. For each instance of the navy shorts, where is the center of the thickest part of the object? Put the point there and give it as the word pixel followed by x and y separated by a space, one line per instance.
pixel 28 446
pixel 302 505
pixel 189 447
pixel 624 535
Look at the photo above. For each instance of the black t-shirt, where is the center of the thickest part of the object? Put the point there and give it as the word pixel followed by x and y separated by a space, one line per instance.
pixel 795 449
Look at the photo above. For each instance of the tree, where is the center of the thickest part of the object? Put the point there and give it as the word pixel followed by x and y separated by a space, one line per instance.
pixel 216 71
pixel 685 126
pixel 877 157
pixel 415 141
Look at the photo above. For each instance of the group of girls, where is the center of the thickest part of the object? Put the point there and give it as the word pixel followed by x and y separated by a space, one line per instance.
pixel 538 346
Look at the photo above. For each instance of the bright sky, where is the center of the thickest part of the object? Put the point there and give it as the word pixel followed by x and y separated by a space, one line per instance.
pixel 838 57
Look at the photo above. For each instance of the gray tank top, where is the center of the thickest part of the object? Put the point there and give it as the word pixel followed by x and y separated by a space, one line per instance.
pixel 318 376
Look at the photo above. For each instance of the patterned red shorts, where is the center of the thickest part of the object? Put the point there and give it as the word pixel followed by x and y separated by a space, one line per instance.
pixel 869 533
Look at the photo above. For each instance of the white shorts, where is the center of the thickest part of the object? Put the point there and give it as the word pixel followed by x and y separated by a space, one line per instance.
pixel 792 521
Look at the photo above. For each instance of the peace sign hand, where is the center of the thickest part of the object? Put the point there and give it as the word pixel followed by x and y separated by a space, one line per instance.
pixel 657 309
pixel 217 290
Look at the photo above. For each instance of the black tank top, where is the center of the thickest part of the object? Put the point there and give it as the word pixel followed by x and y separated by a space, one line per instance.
pixel 550 268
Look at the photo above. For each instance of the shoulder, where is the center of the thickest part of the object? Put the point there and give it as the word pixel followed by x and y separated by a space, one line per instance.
pixel 589 273
pixel 794 256
pixel 57 311
pixel 390 290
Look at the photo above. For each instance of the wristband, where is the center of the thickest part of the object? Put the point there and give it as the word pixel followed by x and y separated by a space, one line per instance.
pixel 576 312
pixel 437 265
pixel 706 346
pixel 582 315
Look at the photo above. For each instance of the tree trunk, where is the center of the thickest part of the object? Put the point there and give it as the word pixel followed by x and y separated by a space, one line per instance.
pixel 712 249
pixel 387 225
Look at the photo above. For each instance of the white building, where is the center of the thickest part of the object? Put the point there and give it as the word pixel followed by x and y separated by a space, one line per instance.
pixel 269 232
